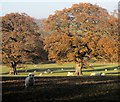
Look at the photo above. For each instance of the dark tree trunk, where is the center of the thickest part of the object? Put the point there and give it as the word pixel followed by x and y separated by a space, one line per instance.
pixel 79 66
pixel 78 69
pixel 13 65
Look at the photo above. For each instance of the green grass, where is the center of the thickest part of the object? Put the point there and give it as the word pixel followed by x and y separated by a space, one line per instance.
pixel 4 69
pixel 60 69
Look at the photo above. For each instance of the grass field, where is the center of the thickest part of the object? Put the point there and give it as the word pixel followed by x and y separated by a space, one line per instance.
pixel 58 87
pixel 61 69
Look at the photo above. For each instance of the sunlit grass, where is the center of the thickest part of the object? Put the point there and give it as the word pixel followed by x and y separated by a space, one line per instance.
pixel 61 69
pixel 4 69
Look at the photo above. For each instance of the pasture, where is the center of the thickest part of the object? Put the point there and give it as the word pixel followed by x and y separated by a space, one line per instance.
pixel 61 69
pixel 55 86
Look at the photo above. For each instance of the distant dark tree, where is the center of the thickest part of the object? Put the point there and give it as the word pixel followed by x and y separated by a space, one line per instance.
pixel 40 23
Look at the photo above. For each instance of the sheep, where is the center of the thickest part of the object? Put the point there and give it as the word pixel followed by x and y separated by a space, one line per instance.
pixel 70 74
pixel 103 74
pixel 35 71
pixel 92 74
pixel 62 69
pixel 45 72
pixel 106 70
pixel 115 69
pixel 97 74
pixel 40 74
pixel 48 70
pixel 29 81
pixel 11 72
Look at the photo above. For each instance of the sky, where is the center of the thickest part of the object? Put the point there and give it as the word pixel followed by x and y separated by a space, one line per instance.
pixel 43 8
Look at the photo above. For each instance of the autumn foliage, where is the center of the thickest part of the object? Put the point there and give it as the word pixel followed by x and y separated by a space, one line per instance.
pixel 21 40
pixel 75 34
pixel 92 33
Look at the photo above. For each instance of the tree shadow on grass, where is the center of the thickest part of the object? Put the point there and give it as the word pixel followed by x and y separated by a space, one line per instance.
pixel 113 72
pixel 98 65
pixel 102 69
pixel 42 70
pixel 49 88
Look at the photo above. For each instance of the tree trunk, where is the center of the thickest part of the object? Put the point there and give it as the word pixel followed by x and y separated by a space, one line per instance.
pixel 13 65
pixel 15 71
pixel 78 69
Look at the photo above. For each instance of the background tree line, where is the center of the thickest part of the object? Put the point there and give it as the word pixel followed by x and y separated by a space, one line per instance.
pixel 77 34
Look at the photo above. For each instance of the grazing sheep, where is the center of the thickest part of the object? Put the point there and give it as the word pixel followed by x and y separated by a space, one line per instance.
pixel 45 72
pixel 29 81
pixel 35 71
pixel 11 72
pixel 62 69
pixel 40 74
pixel 96 74
pixel 48 70
pixel 103 74
pixel 106 70
pixel 70 74
pixel 92 74
pixel 115 69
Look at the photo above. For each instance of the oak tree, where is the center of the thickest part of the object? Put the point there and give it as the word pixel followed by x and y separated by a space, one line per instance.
pixel 21 41
pixel 79 33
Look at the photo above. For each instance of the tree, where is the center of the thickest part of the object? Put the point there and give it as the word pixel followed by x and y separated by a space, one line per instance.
pixel 78 39
pixel 21 41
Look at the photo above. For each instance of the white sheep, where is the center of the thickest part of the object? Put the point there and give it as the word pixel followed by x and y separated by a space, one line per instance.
pixel 40 74
pixel 115 69
pixel 103 74
pixel 97 74
pixel 69 74
pixel 48 70
pixel 106 70
pixel 35 71
pixel 62 69
pixel 92 74
pixel 45 72
pixel 29 81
